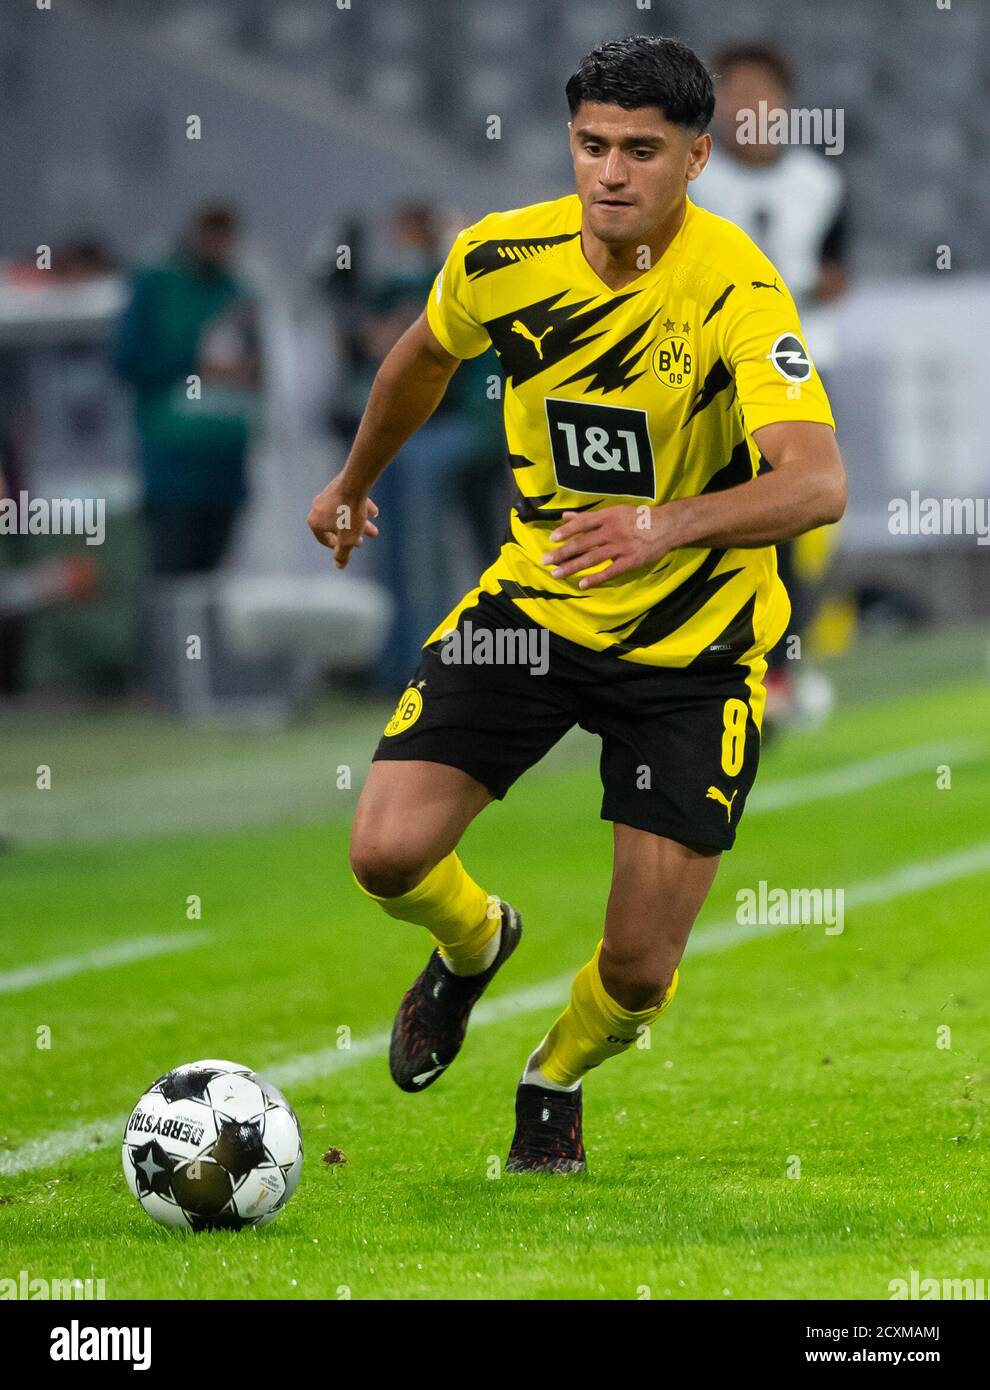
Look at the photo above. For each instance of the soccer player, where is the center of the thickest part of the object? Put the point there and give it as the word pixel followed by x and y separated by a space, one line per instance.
pixel 665 428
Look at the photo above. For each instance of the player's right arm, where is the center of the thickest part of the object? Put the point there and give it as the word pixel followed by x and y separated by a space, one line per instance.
pixel 407 389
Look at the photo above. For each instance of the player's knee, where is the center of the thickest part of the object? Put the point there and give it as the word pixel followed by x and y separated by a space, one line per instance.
pixel 637 993
pixel 635 982
pixel 383 868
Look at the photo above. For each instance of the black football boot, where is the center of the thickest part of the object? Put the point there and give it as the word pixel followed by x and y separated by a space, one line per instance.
pixel 433 1017
pixel 548 1137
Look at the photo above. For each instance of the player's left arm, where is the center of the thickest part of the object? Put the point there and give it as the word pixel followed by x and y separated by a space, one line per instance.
pixel 805 487
pixel 787 415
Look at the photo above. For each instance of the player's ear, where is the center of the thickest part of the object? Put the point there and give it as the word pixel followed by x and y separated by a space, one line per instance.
pixel 698 155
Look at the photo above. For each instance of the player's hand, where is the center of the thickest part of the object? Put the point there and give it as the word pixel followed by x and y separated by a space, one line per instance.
pixel 340 520
pixel 625 537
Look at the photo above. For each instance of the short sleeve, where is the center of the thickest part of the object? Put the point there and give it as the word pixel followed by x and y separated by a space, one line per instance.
pixel 764 347
pixel 450 310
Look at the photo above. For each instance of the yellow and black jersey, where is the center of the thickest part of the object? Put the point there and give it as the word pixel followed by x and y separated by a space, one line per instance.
pixel 636 396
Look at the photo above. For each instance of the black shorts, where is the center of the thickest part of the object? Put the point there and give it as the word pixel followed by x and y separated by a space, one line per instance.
pixel 679 747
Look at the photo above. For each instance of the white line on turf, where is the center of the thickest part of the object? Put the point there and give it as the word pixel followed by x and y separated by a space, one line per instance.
pixel 899 883
pixel 771 796
pixel 722 936
pixel 102 958
pixel 854 777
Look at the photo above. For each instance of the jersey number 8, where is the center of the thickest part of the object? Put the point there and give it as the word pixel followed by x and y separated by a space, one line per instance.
pixel 734 717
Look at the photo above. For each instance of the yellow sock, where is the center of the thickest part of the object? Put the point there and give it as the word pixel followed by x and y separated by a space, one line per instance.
pixel 460 916
pixel 592 1028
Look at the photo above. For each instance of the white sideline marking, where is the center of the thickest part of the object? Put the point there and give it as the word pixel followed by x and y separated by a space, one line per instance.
pixel 102 958
pixel 911 878
pixel 854 777
pixel 773 796
pixel 899 883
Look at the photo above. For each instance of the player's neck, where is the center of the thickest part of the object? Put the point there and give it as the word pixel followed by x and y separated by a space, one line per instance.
pixel 619 266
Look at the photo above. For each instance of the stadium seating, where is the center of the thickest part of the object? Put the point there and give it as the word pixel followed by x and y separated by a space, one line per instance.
pixel 512 53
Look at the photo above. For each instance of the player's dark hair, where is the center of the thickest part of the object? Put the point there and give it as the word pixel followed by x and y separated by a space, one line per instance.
pixel 760 55
pixel 646 70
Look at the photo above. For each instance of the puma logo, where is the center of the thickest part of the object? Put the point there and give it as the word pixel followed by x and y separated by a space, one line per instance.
pixel 424 1076
pixel 762 285
pixel 713 794
pixel 519 327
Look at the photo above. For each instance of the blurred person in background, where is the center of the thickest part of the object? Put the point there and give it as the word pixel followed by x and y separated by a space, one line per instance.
pixel 788 198
pixel 485 494
pixel 188 344
pixel 791 201
pixel 450 462
pixel 83 259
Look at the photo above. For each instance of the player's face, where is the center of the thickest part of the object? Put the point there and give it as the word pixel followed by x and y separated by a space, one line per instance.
pixel 631 169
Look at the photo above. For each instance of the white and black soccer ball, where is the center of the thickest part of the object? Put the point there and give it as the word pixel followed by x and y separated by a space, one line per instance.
pixel 212 1145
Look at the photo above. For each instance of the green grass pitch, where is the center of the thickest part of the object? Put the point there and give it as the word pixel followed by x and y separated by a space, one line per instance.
pixel 798 1053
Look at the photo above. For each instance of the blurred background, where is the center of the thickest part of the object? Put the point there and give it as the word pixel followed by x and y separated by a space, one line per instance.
pixel 218 217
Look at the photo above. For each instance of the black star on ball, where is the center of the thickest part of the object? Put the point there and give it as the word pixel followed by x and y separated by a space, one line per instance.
pixel 239 1147
pixel 153 1169
pixel 190 1084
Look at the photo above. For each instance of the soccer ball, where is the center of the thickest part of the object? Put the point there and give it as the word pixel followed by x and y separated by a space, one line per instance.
pixel 210 1145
